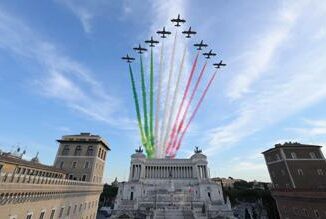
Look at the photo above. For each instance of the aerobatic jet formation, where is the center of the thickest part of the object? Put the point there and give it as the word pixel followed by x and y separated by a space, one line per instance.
pixel 209 54
pixel 151 42
pixel 128 58
pixel 178 20
pixel 164 118
pixel 163 33
pixel 189 32
pixel 218 65
pixel 140 49
pixel 200 45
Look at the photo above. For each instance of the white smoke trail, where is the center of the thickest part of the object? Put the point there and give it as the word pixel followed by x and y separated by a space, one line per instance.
pixel 159 149
pixel 171 112
pixel 167 97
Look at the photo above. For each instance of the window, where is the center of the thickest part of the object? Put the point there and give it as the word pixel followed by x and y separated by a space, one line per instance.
pixel 316 213
pixel 86 164
pixel 320 172
pixel 104 155
pixel 65 150
pixel 293 155
pixel 131 195
pixel 52 214
pixel 90 151
pixel 75 208
pixel 68 211
pixel 84 178
pixel 29 216
pixel 89 205
pixel 42 214
pixel 312 155
pixel 80 207
pixel 74 164
pixel 300 172
pixel 61 211
pixel 61 165
pixel 277 157
pixel 71 176
pixel 273 174
pixel 99 152
pixel 78 150
pixel 283 172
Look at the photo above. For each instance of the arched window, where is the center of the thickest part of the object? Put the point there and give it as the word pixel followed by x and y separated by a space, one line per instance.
pixel 65 150
pixel 312 155
pixel 78 150
pixel 84 178
pixel 90 151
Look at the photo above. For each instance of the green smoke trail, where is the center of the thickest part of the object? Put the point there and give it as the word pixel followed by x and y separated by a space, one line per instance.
pixel 140 126
pixel 151 100
pixel 143 86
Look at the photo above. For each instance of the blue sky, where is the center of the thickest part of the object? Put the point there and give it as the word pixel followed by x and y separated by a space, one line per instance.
pixel 61 74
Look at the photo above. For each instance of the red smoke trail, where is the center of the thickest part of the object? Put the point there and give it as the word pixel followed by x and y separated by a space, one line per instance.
pixel 173 132
pixel 187 107
pixel 194 113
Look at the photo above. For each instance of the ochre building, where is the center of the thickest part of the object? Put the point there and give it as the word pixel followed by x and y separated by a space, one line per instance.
pixel 68 189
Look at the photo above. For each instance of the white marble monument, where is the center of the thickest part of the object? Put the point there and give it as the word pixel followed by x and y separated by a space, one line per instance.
pixel 170 188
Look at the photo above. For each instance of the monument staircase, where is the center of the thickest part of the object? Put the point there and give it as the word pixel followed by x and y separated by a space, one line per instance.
pixel 173 214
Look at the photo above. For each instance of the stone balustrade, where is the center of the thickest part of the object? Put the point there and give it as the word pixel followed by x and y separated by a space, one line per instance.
pixel 18 188
pixel 30 179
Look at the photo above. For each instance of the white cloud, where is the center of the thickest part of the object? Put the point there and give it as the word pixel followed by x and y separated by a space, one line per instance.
pixel 311 128
pixel 62 78
pixel 293 84
pixel 273 104
pixel 249 166
pixel 263 50
pixel 85 11
pixel 320 34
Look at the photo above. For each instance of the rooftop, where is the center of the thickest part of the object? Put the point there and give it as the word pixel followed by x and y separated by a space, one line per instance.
pixel 292 145
pixel 10 158
pixel 84 137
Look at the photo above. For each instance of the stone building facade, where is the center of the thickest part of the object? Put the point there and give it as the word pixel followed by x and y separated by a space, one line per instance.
pixel 68 189
pixel 170 188
pixel 298 174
